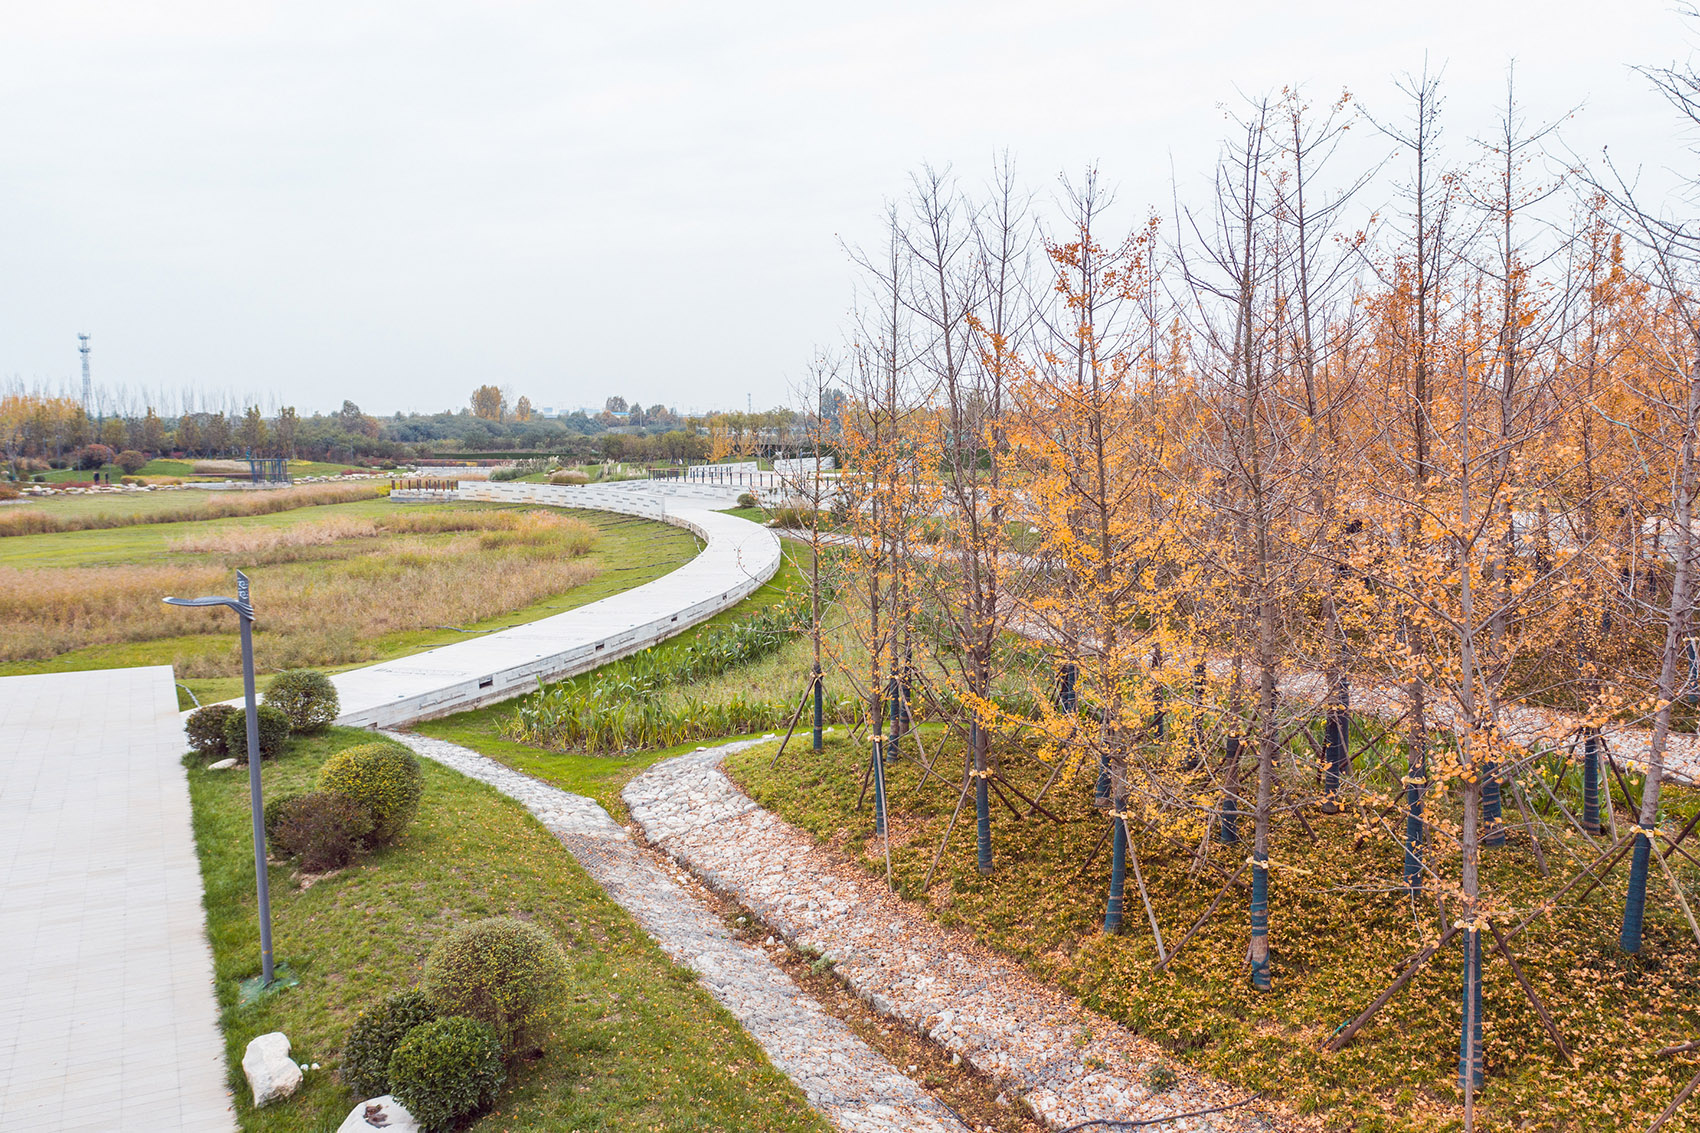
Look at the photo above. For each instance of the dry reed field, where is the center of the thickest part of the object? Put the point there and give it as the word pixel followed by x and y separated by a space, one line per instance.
pixel 174 507
pixel 325 590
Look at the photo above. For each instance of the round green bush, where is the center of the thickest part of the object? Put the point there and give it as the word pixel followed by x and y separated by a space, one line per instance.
pixel 275 806
pixel 445 1070
pixel 306 696
pixel 274 732
pixel 383 779
pixel 131 461
pixel 374 1037
pixel 499 971
pixel 323 830
pixel 206 728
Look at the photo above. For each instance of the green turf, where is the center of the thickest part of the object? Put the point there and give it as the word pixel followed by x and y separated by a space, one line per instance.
pixel 629 553
pixel 600 776
pixel 639 1044
pixel 1338 933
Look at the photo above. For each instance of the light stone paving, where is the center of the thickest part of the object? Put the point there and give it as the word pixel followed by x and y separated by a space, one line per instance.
pixel 845 1079
pixel 1071 1064
pixel 108 1019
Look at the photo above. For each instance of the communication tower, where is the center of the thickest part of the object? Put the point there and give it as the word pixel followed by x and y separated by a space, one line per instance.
pixel 88 389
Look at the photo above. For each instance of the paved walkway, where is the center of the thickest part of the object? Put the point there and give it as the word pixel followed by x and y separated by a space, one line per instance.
pixel 844 1078
pixel 737 558
pixel 108 1019
pixel 1071 1064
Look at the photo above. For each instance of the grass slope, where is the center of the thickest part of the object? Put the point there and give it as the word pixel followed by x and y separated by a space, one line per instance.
pixel 599 776
pixel 640 1046
pixel 1337 941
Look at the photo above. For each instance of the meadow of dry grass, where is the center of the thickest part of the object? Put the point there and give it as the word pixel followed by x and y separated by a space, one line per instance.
pixel 324 590
pixel 173 507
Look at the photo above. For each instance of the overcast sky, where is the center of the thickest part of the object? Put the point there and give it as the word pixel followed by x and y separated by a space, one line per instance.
pixel 394 202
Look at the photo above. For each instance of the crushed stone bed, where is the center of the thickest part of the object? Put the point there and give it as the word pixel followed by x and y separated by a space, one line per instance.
pixel 850 1083
pixel 1070 1064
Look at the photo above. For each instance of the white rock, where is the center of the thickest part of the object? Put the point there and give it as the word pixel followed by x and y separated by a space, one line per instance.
pixel 222 765
pixel 271 1073
pixel 380 1113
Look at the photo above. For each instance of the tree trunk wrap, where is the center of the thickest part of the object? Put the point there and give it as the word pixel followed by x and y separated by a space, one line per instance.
pixel 982 803
pixel 819 709
pixel 1118 876
pixel 1591 783
pixel 1493 829
pixel 1470 1064
pixel 1229 832
pixel 879 789
pixel 1260 926
pixel 1635 903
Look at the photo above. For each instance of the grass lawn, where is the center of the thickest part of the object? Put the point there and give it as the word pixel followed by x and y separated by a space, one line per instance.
pixel 601 777
pixel 753 514
pixel 1337 936
pixel 639 1046
pixel 165 466
pixel 69 514
pixel 627 553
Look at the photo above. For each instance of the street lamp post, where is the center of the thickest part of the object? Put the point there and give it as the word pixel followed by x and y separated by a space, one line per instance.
pixel 245 616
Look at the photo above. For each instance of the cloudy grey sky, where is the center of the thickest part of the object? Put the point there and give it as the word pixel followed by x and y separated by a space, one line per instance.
pixel 397 201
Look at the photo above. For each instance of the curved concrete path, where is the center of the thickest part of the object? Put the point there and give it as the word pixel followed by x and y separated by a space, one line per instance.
pixel 849 1082
pixel 737 558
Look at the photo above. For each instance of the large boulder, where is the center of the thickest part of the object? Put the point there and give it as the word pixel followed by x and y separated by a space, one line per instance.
pixel 380 1113
pixel 272 1074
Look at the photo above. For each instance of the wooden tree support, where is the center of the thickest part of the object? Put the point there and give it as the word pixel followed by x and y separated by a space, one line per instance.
pixel 1412 967
pixel 1529 992
pixel 1607 858
pixel 967 780
pixel 795 716
pixel 994 782
pixel 927 771
pixel 1150 913
pixel 1198 924
pixel 867 780
pixel 1623 846
pixel 1033 804
pixel 1057 770
pixel 1534 839
pixel 1099 845
pixel 1676 1103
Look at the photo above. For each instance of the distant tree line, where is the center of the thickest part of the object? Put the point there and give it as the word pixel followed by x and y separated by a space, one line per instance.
pixel 39 429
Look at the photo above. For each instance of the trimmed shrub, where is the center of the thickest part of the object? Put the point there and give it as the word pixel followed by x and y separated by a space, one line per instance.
pixel 92 457
pixel 499 971
pixel 273 726
pixel 323 830
pixel 132 461
pixel 375 1035
pixel 445 1070
pixel 748 499
pixel 381 778
pixel 206 728
pixel 306 696
pixel 274 809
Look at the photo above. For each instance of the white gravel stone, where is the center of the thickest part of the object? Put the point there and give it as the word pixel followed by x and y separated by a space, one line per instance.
pixel 271 1073
pixel 380 1113
pixel 983 1008
pixel 849 1082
